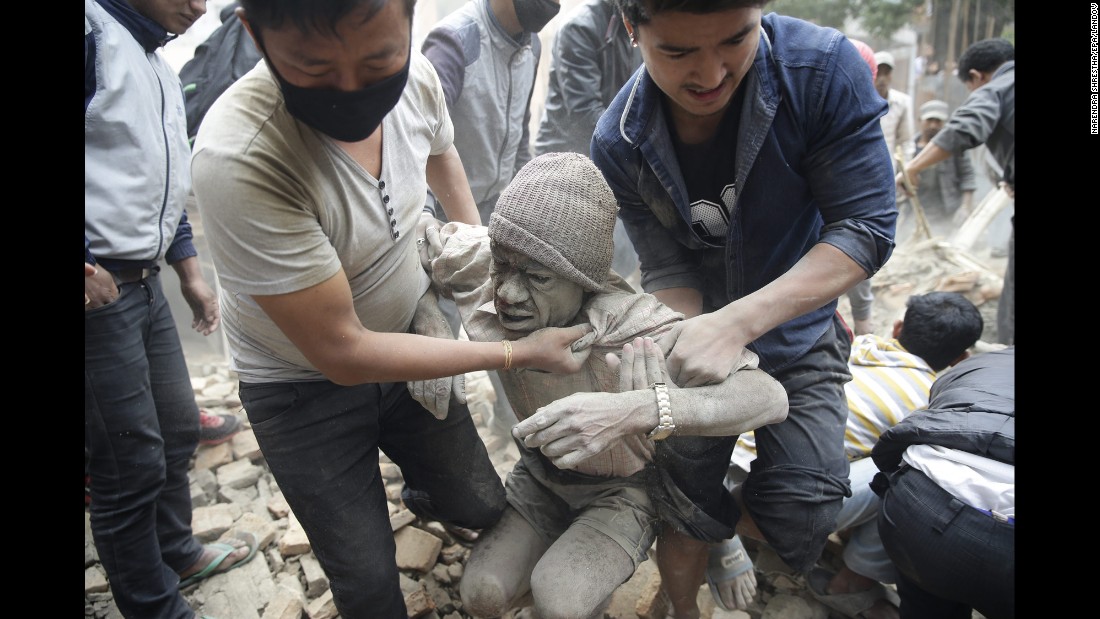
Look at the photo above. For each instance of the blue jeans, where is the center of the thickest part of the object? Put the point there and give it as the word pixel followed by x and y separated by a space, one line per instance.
pixel 800 475
pixel 141 427
pixel 863 553
pixel 321 441
pixel 950 557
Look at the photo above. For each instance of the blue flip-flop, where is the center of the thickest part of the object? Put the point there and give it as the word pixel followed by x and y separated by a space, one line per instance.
pixel 725 562
pixel 224 550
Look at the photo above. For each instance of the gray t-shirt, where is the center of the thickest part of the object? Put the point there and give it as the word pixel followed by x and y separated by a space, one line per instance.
pixel 284 208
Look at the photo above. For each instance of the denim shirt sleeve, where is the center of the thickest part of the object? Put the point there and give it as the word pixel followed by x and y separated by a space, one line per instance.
pixel 847 163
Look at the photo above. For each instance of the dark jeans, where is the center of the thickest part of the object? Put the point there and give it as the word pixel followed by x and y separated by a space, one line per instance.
pixel 950 557
pixel 321 441
pixel 800 476
pixel 141 427
pixel 799 480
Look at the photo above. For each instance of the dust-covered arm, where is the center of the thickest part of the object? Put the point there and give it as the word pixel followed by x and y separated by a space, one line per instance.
pixel 579 426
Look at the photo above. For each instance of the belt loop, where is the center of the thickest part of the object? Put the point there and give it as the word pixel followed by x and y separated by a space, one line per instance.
pixel 951 510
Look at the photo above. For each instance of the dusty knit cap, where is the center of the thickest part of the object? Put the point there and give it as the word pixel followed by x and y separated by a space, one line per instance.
pixel 559 211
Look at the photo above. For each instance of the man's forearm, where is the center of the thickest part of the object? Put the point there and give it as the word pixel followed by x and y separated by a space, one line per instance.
pixel 748 399
pixel 821 276
pixel 447 180
pixel 929 156
pixel 188 269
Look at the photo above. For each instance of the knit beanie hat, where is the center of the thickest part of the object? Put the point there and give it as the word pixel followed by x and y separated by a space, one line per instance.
pixel 559 211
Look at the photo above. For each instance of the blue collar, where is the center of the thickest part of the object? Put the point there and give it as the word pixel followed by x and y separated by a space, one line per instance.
pixel 147 32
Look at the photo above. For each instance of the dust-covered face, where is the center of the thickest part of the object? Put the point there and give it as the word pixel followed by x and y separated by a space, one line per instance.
pixel 528 295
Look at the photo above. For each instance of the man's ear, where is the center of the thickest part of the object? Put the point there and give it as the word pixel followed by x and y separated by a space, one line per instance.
pixel 977 79
pixel 629 31
pixel 897 327
pixel 241 15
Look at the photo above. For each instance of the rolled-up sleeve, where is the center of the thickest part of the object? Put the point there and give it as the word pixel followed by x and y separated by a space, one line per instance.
pixel 849 167
pixel 972 123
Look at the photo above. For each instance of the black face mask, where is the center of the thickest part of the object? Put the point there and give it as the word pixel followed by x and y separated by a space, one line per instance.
pixel 345 116
pixel 535 14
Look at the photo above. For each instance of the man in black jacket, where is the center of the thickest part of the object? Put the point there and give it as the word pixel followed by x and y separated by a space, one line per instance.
pixel 949 494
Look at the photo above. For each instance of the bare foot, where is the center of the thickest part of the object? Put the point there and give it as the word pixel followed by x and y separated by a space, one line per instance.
pixel 209 554
pixel 847 581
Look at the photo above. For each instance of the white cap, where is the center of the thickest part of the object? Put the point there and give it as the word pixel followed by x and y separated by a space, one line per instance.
pixel 934 109
pixel 885 58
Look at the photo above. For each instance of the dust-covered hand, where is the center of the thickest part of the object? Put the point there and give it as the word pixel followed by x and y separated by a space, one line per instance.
pixel 571 430
pixel 702 350
pixel 435 394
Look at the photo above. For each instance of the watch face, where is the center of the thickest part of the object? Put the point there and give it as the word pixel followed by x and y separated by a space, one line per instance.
pixel 659 433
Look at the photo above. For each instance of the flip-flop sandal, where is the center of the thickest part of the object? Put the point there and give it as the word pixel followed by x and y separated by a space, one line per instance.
pixel 224 550
pixel 850 605
pixel 725 562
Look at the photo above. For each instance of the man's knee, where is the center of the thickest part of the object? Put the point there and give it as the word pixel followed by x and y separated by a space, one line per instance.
pixel 483 595
pixel 564 605
pixel 482 507
pixel 795 518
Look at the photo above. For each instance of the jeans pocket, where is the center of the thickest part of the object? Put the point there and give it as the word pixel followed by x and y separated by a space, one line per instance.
pixel 264 403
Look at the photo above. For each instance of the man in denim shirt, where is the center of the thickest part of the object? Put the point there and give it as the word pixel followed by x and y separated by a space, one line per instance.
pixel 750 166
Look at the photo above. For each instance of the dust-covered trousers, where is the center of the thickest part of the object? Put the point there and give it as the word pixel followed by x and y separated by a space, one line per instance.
pixel 796 484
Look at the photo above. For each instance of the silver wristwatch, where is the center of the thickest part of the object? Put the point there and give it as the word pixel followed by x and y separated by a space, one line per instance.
pixel 666 426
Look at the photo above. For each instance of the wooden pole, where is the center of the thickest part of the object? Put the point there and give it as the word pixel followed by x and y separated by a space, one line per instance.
pixel 918 212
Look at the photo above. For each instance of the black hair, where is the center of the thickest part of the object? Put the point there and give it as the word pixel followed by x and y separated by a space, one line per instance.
pixel 310 15
pixel 641 11
pixel 985 56
pixel 939 327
